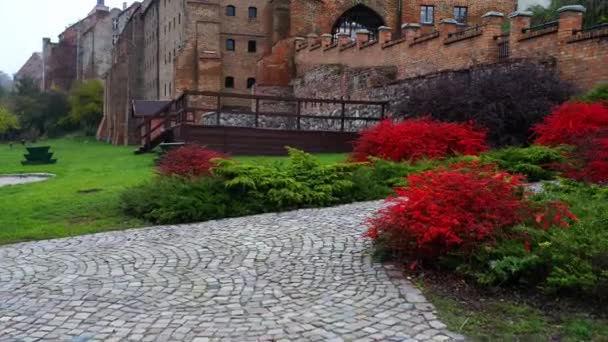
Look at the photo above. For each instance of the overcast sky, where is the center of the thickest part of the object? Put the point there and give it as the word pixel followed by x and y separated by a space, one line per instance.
pixel 23 23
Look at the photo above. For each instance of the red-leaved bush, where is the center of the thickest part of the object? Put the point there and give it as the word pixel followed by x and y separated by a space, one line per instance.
pixel 572 122
pixel 188 161
pixel 415 139
pixel 584 126
pixel 457 209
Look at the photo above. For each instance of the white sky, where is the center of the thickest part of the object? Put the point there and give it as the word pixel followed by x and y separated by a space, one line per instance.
pixel 23 24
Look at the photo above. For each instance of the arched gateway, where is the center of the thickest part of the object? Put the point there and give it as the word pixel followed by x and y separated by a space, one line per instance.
pixel 357 18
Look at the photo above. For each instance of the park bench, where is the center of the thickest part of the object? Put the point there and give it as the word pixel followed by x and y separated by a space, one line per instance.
pixel 38 156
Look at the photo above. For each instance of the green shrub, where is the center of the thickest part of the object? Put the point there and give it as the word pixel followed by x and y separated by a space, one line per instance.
pixel 237 189
pixel 535 162
pixel 172 200
pixel 599 93
pixel 574 259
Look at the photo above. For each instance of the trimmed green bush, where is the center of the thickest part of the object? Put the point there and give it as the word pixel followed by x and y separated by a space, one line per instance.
pixel 535 162
pixel 236 189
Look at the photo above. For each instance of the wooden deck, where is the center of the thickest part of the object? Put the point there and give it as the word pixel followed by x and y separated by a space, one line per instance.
pixel 179 121
pixel 259 141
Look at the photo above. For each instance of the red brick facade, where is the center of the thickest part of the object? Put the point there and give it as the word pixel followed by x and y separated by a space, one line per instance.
pixel 580 56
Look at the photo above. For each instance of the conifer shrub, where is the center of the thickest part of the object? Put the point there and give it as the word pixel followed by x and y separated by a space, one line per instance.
pixel 417 139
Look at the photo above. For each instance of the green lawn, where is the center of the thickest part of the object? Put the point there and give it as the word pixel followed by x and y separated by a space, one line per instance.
pixel 507 320
pixel 83 198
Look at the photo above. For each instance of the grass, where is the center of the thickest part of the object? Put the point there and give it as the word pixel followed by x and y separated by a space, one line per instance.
pixel 503 320
pixel 83 197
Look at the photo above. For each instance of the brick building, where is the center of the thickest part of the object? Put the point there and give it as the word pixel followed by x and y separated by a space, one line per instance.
pixel 84 49
pixel 238 46
pixel 270 47
pixel 32 69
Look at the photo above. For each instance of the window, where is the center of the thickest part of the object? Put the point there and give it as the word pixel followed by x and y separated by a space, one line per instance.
pixel 253 12
pixel 460 14
pixel 229 82
pixel 230 45
pixel 170 88
pixel 250 82
pixel 179 18
pixel 252 46
pixel 230 11
pixel 427 14
pixel 165 89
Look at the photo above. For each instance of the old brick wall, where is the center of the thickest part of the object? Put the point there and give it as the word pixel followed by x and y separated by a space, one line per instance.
pixel 124 83
pixel 580 57
pixel 444 9
pixel 413 54
pixel 149 14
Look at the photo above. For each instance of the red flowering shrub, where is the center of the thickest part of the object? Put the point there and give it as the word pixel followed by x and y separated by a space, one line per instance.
pixel 417 139
pixel 188 161
pixel 584 126
pixel 457 210
pixel 572 122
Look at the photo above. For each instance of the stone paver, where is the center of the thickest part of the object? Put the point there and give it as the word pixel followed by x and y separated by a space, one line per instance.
pixel 298 276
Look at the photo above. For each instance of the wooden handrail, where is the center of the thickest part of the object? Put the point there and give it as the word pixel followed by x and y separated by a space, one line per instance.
pixel 281 98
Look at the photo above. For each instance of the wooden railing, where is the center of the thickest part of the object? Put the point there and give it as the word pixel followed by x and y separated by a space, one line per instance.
pixel 184 110
pixel 298 104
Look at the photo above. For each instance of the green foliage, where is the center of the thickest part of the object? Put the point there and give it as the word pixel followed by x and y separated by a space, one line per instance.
pixel 176 200
pixel 86 101
pixel 39 112
pixel 573 259
pixel 8 121
pixel 599 93
pixel 597 11
pixel 238 189
pixel 535 162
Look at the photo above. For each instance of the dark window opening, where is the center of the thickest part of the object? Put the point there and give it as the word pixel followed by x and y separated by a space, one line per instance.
pixel 358 18
pixel 252 46
pixel 427 14
pixel 230 11
pixel 230 45
pixel 460 14
pixel 250 83
pixel 229 82
pixel 253 12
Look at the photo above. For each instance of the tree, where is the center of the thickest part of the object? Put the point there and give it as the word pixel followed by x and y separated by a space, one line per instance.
pixel 597 11
pixel 8 121
pixel 6 81
pixel 86 101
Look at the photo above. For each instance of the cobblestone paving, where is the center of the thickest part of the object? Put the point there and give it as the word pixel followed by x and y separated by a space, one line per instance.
pixel 298 276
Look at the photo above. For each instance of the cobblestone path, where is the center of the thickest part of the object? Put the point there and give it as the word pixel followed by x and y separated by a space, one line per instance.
pixel 297 276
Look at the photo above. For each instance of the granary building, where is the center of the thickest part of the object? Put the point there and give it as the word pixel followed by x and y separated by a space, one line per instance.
pixel 317 49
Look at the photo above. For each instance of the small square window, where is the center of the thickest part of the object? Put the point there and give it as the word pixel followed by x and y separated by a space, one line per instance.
pixel 230 45
pixel 252 46
pixel 253 12
pixel 230 11
pixel 229 82
pixel 427 14
pixel 250 82
pixel 460 14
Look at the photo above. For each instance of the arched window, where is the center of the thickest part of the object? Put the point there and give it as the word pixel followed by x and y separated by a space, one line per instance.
pixel 229 82
pixel 357 18
pixel 253 12
pixel 250 82
pixel 230 11
pixel 230 45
